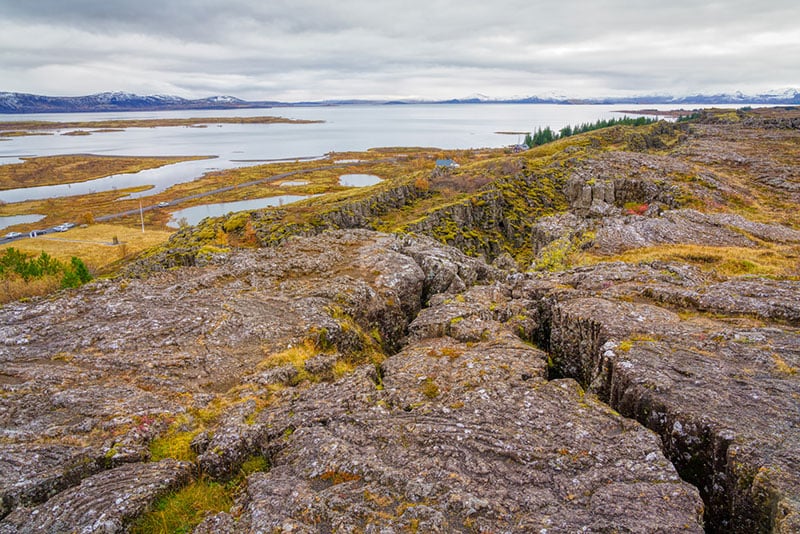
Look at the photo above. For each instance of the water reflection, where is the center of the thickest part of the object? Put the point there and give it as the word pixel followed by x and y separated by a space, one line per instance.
pixel 196 214
pixel 359 180
pixel 11 220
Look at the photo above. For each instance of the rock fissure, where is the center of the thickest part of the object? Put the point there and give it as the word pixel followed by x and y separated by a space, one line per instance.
pixel 591 341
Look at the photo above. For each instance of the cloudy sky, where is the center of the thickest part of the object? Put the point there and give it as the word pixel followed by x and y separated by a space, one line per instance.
pixel 324 49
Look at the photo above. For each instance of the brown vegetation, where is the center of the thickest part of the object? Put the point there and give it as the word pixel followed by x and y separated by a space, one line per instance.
pixel 18 126
pixel 53 170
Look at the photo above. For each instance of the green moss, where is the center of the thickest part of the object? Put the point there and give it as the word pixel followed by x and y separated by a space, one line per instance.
pixel 429 388
pixel 236 221
pixel 562 253
pixel 173 445
pixel 184 509
pixel 254 464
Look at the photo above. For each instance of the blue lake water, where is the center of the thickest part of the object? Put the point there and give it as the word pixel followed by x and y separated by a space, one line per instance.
pixel 346 128
pixel 359 180
pixel 11 220
pixel 196 214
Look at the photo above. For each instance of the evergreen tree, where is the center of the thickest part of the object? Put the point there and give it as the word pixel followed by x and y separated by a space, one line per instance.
pixel 80 270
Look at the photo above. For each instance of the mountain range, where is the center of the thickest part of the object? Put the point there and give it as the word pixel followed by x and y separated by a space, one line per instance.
pixel 121 101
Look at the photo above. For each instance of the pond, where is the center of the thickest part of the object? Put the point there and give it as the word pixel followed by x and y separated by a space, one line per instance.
pixel 196 214
pixel 359 180
pixel 11 220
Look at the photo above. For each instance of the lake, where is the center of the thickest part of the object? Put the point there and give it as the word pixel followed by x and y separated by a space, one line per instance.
pixel 346 128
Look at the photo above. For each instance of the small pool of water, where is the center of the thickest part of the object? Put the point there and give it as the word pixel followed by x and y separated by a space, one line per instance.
pixel 11 220
pixel 295 183
pixel 359 180
pixel 196 214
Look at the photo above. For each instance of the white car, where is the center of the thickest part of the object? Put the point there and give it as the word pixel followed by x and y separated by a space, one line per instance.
pixel 12 235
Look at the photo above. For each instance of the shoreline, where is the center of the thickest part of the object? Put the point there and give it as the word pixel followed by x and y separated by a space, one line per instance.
pixel 18 126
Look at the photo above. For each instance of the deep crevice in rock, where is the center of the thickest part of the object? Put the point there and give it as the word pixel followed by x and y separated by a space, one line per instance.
pixel 575 348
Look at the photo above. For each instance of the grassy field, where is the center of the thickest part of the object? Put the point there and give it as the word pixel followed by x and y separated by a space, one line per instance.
pixel 93 244
pixel 101 247
pixel 388 164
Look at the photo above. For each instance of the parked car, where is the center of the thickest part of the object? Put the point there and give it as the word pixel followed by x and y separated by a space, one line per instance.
pixel 63 227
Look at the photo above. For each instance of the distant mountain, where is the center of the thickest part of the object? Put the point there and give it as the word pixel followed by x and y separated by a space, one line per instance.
pixel 26 103
pixel 118 101
pixel 788 96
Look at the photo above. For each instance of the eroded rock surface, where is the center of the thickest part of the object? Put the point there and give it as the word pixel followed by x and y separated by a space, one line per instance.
pixel 460 429
pixel 458 435
pixel 722 392
pixel 105 502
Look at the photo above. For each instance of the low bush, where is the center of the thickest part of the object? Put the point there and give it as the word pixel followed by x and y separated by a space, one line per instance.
pixel 27 275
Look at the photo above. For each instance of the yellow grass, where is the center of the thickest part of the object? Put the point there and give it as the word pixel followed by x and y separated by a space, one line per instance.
pixel 15 288
pixel 173 445
pixel 778 261
pixel 185 508
pixel 93 244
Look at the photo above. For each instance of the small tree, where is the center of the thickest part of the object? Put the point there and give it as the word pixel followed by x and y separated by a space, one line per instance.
pixel 80 270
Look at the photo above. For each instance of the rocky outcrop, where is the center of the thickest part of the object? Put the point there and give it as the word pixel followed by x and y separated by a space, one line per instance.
pixel 460 431
pixel 617 234
pixel 287 354
pixel 723 394
pixel 603 185
pixel 105 502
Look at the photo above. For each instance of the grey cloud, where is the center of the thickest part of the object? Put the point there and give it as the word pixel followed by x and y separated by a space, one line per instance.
pixel 396 48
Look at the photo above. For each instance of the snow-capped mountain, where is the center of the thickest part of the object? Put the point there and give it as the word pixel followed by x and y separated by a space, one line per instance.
pixel 120 101
pixel 116 101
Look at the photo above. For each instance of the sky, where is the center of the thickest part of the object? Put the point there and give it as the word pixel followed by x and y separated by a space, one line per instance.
pixel 296 50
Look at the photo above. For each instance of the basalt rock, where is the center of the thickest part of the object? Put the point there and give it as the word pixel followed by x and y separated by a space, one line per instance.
pixel 460 429
pixel 722 392
pixel 461 437
pixel 618 234
pixel 105 502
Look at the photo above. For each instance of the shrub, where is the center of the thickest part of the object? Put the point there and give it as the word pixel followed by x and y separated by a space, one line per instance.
pixel 23 273
pixel 635 208
pixel 236 221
